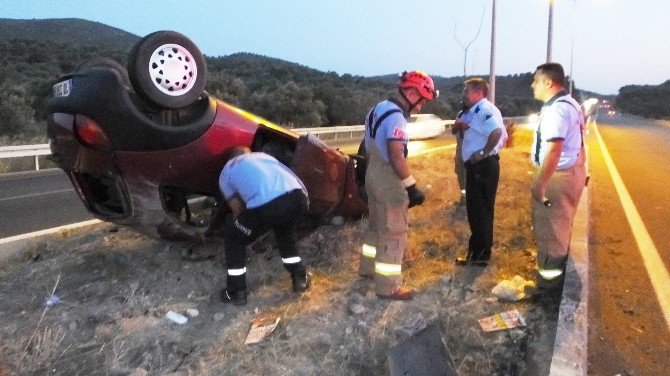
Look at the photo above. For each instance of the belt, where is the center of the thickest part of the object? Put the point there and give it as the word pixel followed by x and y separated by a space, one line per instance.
pixel 494 156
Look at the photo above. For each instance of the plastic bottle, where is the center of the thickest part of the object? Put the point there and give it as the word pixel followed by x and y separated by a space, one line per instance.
pixel 176 317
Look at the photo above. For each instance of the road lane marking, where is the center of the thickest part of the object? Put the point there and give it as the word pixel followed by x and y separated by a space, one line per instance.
pixel 48 231
pixel 36 194
pixel 439 148
pixel 656 270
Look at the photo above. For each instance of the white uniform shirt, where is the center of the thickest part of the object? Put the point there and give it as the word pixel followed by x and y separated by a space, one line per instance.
pixel 561 118
pixel 258 178
pixel 484 119
pixel 393 127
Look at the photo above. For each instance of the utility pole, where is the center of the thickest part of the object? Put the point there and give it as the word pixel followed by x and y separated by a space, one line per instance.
pixel 572 44
pixel 492 66
pixel 549 32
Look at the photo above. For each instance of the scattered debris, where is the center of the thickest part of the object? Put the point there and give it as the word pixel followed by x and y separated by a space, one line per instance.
pixel 260 328
pixel 418 324
pixel 176 317
pixel 219 316
pixel 512 290
pixel 357 309
pixel 192 312
pixel 501 321
pixel 51 301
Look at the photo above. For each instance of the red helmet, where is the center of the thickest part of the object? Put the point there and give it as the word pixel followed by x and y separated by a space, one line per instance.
pixel 420 81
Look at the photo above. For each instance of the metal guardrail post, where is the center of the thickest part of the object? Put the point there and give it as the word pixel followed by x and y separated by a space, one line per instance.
pixel 37 163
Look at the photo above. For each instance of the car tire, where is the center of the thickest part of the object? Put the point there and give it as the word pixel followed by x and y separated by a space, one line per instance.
pixel 105 62
pixel 167 69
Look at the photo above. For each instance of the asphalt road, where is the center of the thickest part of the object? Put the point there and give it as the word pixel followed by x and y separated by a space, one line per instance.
pixel 38 200
pixel 628 330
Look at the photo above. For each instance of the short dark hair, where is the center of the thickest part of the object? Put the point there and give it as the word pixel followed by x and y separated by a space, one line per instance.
pixel 554 71
pixel 234 152
pixel 478 83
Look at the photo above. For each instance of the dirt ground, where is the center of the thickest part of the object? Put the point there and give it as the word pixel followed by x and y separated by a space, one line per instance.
pixel 116 286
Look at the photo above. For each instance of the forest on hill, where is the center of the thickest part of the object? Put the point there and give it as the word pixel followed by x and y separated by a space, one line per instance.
pixel 34 56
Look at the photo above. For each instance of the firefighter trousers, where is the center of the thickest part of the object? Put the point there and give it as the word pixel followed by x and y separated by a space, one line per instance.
pixel 385 241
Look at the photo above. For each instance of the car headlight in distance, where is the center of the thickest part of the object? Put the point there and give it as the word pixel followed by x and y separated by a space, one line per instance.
pixel 89 133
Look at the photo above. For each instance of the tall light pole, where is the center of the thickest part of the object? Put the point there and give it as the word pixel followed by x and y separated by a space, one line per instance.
pixel 572 43
pixel 549 32
pixel 492 66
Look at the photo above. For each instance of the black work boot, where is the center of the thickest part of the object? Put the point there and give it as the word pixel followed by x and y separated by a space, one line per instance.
pixel 301 280
pixel 235 291
pixel 236 297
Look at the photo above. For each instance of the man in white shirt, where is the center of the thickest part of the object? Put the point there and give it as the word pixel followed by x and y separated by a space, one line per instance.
pixel 263 194
pixel 558 155
pixel 484 136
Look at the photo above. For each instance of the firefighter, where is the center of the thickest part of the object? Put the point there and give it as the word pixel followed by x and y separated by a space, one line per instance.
pixel 390 187
pixel 560 175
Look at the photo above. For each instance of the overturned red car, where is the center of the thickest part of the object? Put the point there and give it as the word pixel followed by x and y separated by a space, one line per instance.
pixel 144 147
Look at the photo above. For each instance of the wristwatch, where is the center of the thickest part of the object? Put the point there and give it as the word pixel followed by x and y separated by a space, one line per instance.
pixel 481 152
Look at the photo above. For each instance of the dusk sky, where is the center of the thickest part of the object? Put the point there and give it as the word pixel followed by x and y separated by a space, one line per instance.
pixel 616 42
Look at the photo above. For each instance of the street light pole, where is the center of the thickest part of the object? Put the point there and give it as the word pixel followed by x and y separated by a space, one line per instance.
pixel 572 45
pixel 549 32
pixel 492 66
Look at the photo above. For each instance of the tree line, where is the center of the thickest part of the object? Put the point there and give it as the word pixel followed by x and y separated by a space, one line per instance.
pixel 650 101
pixel 286 93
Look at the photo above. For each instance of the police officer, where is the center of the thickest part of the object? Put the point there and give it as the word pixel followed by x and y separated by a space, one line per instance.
pixel 558 155
pixel 391 189
pixel 263 194
pixel 484 136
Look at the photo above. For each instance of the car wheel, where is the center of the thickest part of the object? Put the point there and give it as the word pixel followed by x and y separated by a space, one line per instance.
pixel 167 69
pixel 105 62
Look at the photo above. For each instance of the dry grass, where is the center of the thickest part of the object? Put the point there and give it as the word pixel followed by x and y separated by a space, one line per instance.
pixel 348 344
pixel 123 283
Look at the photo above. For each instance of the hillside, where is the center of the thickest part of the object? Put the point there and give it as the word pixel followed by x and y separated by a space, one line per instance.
pixel 71 31
pixel 645 100
pixel 36 52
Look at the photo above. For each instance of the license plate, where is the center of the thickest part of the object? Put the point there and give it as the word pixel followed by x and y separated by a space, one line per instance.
pixel 62 89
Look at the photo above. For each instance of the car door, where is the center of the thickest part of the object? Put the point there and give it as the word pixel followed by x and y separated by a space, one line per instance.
pixel 324 172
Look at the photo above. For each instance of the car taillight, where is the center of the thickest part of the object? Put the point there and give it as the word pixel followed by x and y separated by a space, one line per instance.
pixel 89 133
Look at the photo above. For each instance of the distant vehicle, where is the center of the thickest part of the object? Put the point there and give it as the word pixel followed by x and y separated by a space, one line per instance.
pixel 423 126
pixel 144 147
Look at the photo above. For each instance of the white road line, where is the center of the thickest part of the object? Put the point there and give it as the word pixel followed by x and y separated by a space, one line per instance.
pixel 656 270
pixel 439 148
pixel 36 194
pixel 48 231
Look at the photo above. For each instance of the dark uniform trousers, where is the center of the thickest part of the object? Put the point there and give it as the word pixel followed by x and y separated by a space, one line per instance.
pixel 279 215
pixel 481 182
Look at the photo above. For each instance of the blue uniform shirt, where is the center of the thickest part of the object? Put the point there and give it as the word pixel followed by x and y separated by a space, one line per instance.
pixel 393 127
pixel 483 118
pixel 258 178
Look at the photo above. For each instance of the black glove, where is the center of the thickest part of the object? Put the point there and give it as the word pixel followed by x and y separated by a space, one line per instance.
pixel 416 196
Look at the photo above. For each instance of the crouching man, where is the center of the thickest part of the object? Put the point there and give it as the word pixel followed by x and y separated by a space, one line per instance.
pixel 263 195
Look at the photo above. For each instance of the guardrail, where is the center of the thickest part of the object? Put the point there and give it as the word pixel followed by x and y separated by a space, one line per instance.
pixel 350 129
pixel 25 151
pixel 43 149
